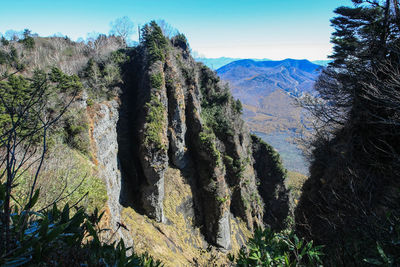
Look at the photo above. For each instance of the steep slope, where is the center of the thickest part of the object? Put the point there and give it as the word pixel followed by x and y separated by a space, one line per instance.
pixel 175 113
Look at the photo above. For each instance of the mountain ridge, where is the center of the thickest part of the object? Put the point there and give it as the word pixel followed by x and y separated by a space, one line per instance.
pixel 216 63
pixel 268 90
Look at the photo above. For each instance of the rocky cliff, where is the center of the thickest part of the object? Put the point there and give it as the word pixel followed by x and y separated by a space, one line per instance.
pixel 176 113
pixel 178 122
pixel 185 180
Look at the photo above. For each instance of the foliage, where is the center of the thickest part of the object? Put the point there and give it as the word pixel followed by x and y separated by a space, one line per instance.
pixel 208 142
pixel 65 82
pixel 155 42
pixel 63 237
pixel 180 40
pixel 154 123
pixel 156 80
pixel 28 41
pixel 215 105
pixel 275 166
pixel 4 41
pixel 103 77
pixel 267 248
pixel 238 107
pixel 119 57
pixel 10 60
pixel 21 95
pixel 354 173
pixel 235 165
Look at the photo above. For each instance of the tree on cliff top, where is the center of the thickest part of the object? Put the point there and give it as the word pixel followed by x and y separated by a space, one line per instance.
pixel 122 27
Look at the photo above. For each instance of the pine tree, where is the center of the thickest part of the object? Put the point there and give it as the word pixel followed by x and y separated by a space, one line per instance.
pixel 351 202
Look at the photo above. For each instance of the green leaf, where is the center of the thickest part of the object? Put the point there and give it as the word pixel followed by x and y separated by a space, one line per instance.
pixel 65 214
pixel 55 232
pixel 373 261
pixel 92 232
pixel 381 252
pixel 33 200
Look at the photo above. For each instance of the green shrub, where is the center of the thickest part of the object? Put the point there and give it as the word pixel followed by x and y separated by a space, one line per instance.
pixel 103 77
pixel 76 130
pixel 234 165
pixel 155 42
pixel 180 40
pixel 4 41
pixel 238 107
pixel 208 143
pixel 119 57
pixel 61 237
pixel 28 41
pixel 156 80
pixel 111 74
pixel 222 200
pixel 154 123
pixel 267 248
pixel 64 82
pixel 3 57
pixel 89 102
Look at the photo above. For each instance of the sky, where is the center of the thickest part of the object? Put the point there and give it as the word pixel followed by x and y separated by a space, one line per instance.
pixel 274 29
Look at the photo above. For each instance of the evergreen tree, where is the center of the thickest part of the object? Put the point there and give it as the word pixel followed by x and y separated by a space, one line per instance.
pixel 351 201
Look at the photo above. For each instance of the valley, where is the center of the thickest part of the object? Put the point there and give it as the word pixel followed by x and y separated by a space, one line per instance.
pixel 267 90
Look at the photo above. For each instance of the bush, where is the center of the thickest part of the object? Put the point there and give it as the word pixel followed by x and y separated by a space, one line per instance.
pixel 180 40
pixel 154 123
pixel 28 41
pixel 155 42
pixel 156 80
pixel 56 237
pixel 238 107
pixel 4 41
pixel 208 142
pixel 76 130
pixel 267 248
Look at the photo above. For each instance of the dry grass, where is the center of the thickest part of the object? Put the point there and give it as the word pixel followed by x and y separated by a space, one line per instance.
pixel 178 242
pixel 295 182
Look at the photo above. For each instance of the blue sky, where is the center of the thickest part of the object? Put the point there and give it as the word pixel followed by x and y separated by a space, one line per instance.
pixel 274 29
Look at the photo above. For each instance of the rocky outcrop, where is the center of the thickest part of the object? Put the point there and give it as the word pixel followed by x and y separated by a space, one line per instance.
pixel 103 136
pixel 176 112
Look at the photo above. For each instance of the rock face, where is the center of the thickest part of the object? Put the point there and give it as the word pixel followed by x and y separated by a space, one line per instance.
pixel 175 112
pixel 103 136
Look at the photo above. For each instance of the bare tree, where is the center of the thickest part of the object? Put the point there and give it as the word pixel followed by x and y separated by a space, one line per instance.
pixel 166 28
pixel 122 27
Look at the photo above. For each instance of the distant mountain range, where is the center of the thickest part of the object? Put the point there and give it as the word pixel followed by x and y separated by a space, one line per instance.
pixel 267 90
pixel 216 63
